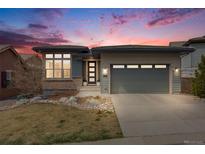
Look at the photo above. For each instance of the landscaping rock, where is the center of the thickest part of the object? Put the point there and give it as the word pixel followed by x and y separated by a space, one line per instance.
pixel 72 100
pixel 63 100
pixel 35 99
pixel 24 96
pixel 22 101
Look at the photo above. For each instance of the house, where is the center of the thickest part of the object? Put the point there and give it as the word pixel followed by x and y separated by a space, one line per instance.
pixel 9 59
pixel 190 62
pixel 116 69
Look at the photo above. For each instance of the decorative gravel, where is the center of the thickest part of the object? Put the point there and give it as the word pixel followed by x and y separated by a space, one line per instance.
pixel 83 103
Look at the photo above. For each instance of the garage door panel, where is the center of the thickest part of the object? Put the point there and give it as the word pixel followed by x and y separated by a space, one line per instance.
pixel 140 81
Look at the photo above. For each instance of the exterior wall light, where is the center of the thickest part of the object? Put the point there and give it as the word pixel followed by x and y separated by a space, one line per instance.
pixel 105 72
pixel 176 71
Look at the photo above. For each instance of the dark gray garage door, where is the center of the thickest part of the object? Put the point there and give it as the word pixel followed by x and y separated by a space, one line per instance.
pixel 139 79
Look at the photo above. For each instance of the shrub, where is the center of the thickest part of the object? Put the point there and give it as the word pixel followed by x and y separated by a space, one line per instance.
pixel 198 84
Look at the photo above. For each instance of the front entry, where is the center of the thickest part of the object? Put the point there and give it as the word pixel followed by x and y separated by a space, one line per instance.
pixel 92 72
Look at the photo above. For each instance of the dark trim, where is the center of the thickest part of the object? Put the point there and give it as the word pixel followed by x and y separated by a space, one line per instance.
pixel 62 48
pixel 195 40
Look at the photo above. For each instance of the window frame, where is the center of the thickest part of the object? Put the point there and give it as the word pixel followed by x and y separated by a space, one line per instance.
pixel 62 67
pixel 8 80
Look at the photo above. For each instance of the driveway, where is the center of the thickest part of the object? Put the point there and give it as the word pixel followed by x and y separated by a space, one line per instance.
pixel 144 115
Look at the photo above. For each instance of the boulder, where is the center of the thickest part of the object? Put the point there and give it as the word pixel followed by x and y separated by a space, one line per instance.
pixel 35 99
pixel 72 101
pixel 22 101
pixel 63 100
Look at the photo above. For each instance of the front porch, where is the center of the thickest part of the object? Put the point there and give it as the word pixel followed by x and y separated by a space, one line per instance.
pixel 91 71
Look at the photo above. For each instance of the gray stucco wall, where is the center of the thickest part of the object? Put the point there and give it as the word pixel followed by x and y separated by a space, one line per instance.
pixel 190 61
pixel 140 58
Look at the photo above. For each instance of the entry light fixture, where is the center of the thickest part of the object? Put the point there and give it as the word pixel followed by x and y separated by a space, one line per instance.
pixel 176 70
pixel 105 72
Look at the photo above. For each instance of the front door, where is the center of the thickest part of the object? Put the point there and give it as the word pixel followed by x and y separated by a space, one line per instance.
pixel 91 72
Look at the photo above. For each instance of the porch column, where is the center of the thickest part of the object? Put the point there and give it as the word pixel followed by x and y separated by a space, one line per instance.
pixel 86 70
pixel 97 70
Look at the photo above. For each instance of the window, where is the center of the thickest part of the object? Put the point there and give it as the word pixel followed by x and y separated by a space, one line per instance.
pixel 160 66
pixel 92 69
pixel 92 64
pixel 132 66
pixel 58 55
pixel 92 79
pixel 58 66
pixel 66 55
pixel 49 55
pixel 146 66
pixel 6 79
pixel 92 74
pixel 118 66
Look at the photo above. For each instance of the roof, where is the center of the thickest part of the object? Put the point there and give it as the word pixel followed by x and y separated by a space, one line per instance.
pixel 142 48
pixel 82 50
pixel 195 40
pixel 177 43
pixel 4 47
pixel 62 48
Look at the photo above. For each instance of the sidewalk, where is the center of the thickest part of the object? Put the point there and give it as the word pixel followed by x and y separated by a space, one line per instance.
pixel 175 139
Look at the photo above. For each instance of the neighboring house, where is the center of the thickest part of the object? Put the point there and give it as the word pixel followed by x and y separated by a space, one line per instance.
pixel 190 62
pixel 9 59
pixel 117 69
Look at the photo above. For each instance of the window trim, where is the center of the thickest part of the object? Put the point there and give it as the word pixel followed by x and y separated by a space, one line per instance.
pixel 62 68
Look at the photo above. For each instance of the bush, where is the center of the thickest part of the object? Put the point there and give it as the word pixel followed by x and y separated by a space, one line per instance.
pixel 198 84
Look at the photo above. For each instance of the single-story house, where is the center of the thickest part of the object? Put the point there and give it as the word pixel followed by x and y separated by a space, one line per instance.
pixel 116 69
pixel 189 62
pixel 8 60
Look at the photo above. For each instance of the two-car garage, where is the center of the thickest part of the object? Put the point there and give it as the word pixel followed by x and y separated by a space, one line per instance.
pixel 139 78
pixel 140 68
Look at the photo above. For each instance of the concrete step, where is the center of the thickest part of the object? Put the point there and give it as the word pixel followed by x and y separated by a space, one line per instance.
pixel 90 88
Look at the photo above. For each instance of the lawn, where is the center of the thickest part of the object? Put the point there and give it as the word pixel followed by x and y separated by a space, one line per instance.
pixel 56 124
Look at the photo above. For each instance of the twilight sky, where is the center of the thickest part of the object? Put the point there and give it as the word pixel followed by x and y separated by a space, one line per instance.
pixel 25 28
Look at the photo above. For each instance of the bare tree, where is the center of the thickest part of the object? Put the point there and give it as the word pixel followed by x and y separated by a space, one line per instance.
pixel 27 77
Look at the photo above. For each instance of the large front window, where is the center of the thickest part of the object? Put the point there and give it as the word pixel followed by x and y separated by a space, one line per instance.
pixel 58 66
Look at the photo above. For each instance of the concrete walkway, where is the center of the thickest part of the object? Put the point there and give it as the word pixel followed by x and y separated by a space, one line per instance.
pixel 142 115
pixel 174 139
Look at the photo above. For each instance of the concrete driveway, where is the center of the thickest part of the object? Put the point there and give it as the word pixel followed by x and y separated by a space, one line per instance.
pixel 142 115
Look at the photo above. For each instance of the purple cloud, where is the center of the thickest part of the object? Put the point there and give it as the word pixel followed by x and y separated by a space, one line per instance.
pixel 16 39
pixel 21 40
pixel 37 26
pixel 119 19
pixel 171 16
pixel 50 14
